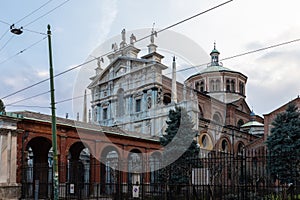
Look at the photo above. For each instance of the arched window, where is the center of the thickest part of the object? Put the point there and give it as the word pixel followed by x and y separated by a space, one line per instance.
pixel 217 118
pixel 224 146
pixel 240 148
pixel 240 123
pixel 197 86
pixel 212 85
pixel 202 86
pixel 205 141
pixel 227 85
pixel 218 85
pixel 232 86
pixel 242 88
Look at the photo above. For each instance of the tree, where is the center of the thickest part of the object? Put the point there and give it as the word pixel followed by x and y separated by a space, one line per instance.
pixel 284 146
pixel 2 107
pixel 179 143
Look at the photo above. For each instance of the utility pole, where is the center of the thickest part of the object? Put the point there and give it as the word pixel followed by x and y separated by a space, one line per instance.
pixel 54 140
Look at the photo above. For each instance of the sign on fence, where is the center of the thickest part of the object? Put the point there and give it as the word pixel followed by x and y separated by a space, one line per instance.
pixel 72 188
pixel 135 191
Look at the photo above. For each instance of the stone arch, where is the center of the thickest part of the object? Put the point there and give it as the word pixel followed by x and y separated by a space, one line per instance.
pixel 135 166
pixel 217 118
pixel 38 167
pixel 110 165
pixel 154 166
pixel 224 145
pixel 239 148
pixel 205 141
pixel 78 168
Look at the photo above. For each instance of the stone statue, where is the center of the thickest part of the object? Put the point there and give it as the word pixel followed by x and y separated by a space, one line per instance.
pixel 99 60
pixel 159 96
pixel 132 39
pixel 149 102
pixel 123 35
pixel 153 33
pixel 114 46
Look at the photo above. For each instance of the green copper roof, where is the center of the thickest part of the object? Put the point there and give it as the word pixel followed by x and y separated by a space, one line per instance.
pixel 212 69
pixel 215 68
pixel 214 51
pixel 252 123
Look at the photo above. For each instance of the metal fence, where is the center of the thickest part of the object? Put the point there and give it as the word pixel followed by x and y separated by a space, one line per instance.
pixel 213 176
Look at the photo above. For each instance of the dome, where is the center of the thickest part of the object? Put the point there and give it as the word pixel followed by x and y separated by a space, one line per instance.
pixel 251 124
pixel 214 51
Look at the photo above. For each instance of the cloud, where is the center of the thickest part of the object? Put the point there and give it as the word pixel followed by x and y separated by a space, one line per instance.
pixel 273 78
pixel 42 74
pixel 109 13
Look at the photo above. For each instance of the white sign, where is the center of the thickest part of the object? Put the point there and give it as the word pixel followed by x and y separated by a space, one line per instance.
pixel 135 191
pixel 72 188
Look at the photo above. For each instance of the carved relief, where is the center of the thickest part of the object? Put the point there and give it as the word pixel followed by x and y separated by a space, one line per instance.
pixel 159 96
pixel 149 102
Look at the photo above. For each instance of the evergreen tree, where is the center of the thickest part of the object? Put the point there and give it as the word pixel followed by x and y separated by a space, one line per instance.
pixel 284 146
pixel 2 107
pixel 180 149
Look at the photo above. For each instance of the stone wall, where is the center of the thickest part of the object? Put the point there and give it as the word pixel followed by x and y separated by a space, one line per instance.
pixel 10 191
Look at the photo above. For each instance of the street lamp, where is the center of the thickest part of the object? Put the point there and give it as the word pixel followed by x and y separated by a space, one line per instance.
pixel 54 140
pixel 18 31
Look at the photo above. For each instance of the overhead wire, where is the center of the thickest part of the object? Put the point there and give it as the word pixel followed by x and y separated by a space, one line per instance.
pixel 22 51
pixel 2 36
pixel 28 98
pixel 4 22
pixel 27 106
pixel 187 19
pixel 43 5
pixel 61 73
pixel 38 18
pixel 243 54
pixel 11 37
pixel 194 66
pixel 33 12
pixel 33 31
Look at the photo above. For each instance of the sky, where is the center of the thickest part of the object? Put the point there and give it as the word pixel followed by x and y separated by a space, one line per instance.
pixel 80 28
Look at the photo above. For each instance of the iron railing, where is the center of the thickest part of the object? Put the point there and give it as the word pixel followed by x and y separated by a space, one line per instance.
pixel 217 176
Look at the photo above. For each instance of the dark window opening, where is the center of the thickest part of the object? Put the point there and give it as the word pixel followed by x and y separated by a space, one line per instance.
pixel 242 88
pixel 224 146
pixel 197 86
pixel 138 103
pixel 227 85
pixel 233 86
pixel 202 86
pixel 240 123
pixel 167 98
pixel 104 113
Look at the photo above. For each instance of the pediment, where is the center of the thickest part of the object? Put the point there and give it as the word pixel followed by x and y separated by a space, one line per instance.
pixel 242 105
pixel 104 75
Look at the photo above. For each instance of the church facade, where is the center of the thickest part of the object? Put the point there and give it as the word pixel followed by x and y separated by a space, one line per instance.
pixel 133 93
